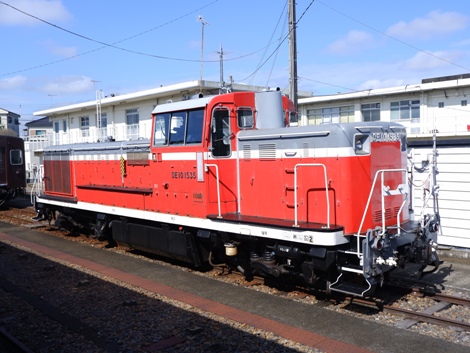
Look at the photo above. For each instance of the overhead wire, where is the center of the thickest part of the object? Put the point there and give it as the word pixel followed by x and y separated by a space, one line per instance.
pixel 275 51
pixel 106 45
pixel 279 45
pixel 270 41
pixel 393 38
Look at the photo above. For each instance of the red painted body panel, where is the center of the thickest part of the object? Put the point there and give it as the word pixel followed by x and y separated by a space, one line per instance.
pixel 167 182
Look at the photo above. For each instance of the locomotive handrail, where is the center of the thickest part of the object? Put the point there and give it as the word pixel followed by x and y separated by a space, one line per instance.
pixel 38 175
pixel 326 188
pixel 385 191
pixel 206 168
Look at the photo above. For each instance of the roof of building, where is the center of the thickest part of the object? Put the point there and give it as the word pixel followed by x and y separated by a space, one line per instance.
pixel 42 122
pixel 457 81
pixel 183 89
pixel 7 112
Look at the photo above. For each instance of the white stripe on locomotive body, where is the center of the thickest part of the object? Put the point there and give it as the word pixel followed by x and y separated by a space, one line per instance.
pixel 287 153
pixel 321 238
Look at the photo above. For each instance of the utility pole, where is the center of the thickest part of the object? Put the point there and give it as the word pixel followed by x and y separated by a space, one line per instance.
pixel 203 22
pixel 221 58
pixel 292 53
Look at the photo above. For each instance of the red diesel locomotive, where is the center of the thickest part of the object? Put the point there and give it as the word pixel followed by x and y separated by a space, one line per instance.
pixel 225 179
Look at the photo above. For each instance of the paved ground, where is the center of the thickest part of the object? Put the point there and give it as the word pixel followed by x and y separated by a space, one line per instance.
pixel 309 325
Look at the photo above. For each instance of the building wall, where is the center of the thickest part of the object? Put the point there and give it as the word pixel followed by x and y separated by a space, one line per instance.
pixel 117 128
pixel 453 179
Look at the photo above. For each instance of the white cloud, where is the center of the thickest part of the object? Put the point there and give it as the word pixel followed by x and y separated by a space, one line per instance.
pixel 436 23
pixel 12 83
pixel 462 43
pixel 66 52
pixel 65 85
pixel 355 41
pixel 48 10
pixel 424 61
pixel 381 83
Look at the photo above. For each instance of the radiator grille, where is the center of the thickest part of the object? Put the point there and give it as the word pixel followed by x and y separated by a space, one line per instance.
pixel 247 152
pixel 57 173
pixel 267 151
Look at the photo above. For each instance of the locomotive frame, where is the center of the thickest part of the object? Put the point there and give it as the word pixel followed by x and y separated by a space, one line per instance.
pixel 225 179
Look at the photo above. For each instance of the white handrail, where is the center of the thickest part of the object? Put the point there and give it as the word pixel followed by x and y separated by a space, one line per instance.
pixel 381 172
pixel 326 188
pixel 206 168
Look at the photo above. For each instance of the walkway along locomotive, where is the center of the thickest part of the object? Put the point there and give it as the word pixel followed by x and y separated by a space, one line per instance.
pixel 12 167
pixel 224 179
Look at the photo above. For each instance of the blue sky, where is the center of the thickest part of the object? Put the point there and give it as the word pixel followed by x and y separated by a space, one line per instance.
pixel 343 45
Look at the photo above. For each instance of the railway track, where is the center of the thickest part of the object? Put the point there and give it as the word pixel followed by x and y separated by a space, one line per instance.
pixel 10 344
pixel 431 314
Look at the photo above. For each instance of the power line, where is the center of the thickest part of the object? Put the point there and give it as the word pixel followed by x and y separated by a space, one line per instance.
pixel 279 45
pixel 106 45
pixel 393 38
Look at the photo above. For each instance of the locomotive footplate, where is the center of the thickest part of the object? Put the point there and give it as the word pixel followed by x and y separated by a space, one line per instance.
pixel 237 218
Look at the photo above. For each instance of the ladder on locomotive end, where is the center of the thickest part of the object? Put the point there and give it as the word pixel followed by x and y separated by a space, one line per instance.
pixel 360 271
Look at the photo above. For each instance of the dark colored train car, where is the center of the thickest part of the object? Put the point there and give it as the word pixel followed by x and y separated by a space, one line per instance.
pixel 12 167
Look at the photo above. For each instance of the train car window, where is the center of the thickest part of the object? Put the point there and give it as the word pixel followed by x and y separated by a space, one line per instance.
pixel 245 118
pixel 2 154
pixel 220 132
pixel 195 123
pixel 177 128
pixel 16 157
pixel 162 123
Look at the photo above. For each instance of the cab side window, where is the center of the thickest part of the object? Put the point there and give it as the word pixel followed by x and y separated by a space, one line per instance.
pixel 195 124
pixel 162 122
pixel 178 128
pixel 245 118
pixel 220 132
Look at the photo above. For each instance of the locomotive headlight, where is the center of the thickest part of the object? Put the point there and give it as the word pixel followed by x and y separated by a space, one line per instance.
pixel 361 144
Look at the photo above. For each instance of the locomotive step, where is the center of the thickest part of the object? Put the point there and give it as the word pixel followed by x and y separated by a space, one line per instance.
pixel 353 288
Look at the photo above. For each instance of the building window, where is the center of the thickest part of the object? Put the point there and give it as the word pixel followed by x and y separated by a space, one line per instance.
pixel 85 126
pixel 56 127
pixel 132 117
pixel 314 116
pixel 441 104
pixel 330 115
pixel 404 110
pixel 370 112
pixel 463 103
pixel 64 125
pixel 335 115
pixel 103 123
pixel 346 114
